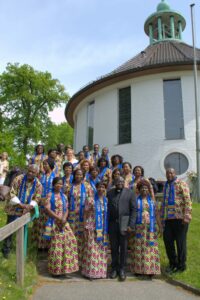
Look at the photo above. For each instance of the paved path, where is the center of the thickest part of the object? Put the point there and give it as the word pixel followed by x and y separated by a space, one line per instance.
pixel 75 287
pixel 109 289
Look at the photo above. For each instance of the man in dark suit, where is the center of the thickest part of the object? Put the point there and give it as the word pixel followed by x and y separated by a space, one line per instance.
pixel 121 220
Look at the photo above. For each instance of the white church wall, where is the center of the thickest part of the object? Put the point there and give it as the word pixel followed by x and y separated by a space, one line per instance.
pixel 81 127
pixel 105 124
pixel 149 146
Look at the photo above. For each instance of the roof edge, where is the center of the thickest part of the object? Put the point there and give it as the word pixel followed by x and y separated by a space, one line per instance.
pixel 112 78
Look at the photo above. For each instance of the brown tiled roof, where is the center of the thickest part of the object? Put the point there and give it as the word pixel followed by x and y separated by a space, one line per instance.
pixel 164 56
pixel 166 52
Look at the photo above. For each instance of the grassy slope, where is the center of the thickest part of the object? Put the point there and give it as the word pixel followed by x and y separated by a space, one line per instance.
pixel 192 275
pixel 8 287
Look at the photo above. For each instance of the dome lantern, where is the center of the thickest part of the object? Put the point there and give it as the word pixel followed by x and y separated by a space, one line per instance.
pixel 164 24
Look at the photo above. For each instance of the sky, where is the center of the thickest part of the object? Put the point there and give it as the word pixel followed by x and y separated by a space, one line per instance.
pixel 78 41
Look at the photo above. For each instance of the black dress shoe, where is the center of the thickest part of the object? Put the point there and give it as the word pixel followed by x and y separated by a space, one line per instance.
pixel 171 269
pixel 122 275
pixel 113 274
pixel 5 255
pixel 181 269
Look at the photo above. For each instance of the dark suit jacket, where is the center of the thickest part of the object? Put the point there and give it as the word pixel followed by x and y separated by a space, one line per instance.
pixel 126 207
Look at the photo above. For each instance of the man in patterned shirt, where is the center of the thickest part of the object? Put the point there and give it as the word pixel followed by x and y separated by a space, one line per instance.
pixel 176 213
pixel 25 194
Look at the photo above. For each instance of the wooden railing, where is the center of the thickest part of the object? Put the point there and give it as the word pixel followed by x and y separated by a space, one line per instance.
pixel 18 227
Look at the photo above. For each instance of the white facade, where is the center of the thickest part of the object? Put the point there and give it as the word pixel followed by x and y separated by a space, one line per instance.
pixel 149 146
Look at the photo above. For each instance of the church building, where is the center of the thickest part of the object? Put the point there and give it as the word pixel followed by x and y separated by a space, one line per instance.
pixel 144 110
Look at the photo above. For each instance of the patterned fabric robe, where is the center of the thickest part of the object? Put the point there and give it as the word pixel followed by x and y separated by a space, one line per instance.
pixel 62 255
pixel 39 224
pixel 15 189
pixel 75 224
pixel 145 257
pixel 38 160
pixel 94 253
pixel 183 203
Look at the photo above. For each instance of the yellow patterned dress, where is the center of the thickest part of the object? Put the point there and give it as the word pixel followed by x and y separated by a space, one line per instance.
pixel 129 181
pixel 145 257
pixel 38 160
pixel 39 224
pixel 95 256
pixel 74 217
pixel 62 255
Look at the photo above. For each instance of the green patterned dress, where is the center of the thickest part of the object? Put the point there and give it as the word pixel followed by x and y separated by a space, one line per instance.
pixel 62 255
pixel 145 257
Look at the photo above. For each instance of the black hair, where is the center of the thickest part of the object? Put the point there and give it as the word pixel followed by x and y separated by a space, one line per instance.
pixel 86 146
pixel 100 183
pixel 116 170
pixel 141 168
pixel 92 168
pixel 56 180
pixel 68 164
pixel 59 148
pixel 50 162
pixel 154 184
pixel 11 175
pixel 75 171
pixel 80 153
pixel 37 146
pixel 102 159
pixel 127 163
pixel 52 150
pixel 117 155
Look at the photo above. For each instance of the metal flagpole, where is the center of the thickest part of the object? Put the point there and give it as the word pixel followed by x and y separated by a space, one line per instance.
pixel 196 102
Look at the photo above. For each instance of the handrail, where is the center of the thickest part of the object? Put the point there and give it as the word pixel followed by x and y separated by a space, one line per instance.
pixel 18 226
pixel 12 227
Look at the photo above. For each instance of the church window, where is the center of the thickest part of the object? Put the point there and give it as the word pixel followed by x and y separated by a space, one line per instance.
pixel 124 115
pixel 90 124
pixel 173 109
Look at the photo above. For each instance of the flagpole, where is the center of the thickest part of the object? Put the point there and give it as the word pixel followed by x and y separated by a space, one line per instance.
pixel 196 102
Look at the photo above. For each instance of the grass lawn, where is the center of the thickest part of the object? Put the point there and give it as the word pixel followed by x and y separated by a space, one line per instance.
pixel 192 275
pixel 9 290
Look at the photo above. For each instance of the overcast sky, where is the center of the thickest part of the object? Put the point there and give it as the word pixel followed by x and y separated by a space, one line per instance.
pixel 79 40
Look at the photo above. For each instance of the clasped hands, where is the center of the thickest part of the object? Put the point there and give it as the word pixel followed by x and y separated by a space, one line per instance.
pixel 60 221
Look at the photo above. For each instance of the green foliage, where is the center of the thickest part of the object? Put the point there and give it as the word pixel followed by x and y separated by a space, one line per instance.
pixel 26 97
pixel 57 134
pixel 16 158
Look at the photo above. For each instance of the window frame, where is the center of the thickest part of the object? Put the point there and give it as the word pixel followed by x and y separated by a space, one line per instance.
pixel 90 143
pixel 182 133
pixel 129 141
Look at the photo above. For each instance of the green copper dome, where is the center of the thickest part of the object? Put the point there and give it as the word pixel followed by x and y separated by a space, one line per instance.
pixel 162 6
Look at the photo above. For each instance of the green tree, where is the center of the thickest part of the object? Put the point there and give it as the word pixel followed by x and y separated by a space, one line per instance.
pixel 26 97
pixel 57 134
pixel 7 144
